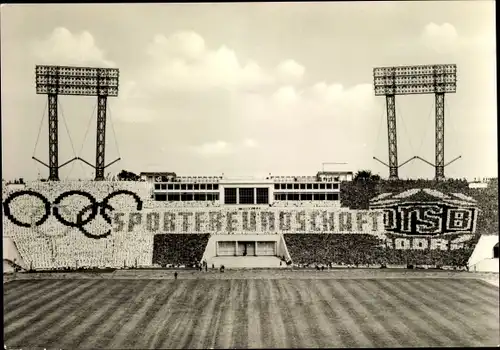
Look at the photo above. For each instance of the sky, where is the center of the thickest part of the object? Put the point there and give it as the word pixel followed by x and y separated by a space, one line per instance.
pixel 248 89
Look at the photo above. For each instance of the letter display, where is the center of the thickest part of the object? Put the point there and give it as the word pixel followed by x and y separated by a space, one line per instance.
pixel 80 221
pixel 402 223
pixel 254 221
pixel 433 218
pixel 419 225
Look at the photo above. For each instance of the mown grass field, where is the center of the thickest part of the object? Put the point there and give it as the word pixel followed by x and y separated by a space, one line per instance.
pixel 250 313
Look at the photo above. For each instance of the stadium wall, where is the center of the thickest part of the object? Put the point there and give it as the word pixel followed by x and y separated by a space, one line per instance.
pixel 482 259
pixel 11 255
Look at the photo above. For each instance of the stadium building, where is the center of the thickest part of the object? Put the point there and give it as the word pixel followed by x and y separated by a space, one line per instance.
pixel 242 199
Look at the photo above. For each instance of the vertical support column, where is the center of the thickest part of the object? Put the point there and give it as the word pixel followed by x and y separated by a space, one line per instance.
pixel 392 136
pixel 53 138
pixel 439 136
pixel 236 244
pixel 101 137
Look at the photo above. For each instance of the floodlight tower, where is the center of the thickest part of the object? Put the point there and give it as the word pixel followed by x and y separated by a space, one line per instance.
pixel 407 80
pixel 50 82
pixel 83 81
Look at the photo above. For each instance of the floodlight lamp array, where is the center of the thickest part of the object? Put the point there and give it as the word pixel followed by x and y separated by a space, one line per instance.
pixel 77 81
pixel 415 79
pixel 415 70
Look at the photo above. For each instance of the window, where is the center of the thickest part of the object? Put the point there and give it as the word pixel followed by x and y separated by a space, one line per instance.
pixel 216 187
pixel 183 186
pixel 209 187
pixel 262 196
pixel 157 186
pixel 329 196
pixel 293 196
pixel 329 186
pixel 309 186
pixel 177 187
pixel 495 251
pixel 186 197
pixel 306 197
pixel 160 197
pixel 163 186
pixel 288 186
pixel 246 196
pixel 280 197
pixel 189 186
pixel 315 186
pixel 335 196
pixel 302 186
pixel 230 195
pixel 295 186
pixel 210 197
pixel 319 196
pixel 202 187
pixel 283 186
pixel 276 186
pixel 321 186
pixel 170 186
pixel 335 186
pixel 174 197
pixel 196 187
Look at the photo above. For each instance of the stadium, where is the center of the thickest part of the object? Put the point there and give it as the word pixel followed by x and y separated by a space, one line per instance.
pixel 310 262
pixel 339 258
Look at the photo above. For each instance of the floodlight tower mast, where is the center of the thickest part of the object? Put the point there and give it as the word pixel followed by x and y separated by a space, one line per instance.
pixel 390 101
pixel 83 81
pixel 50 82
pixel 437 79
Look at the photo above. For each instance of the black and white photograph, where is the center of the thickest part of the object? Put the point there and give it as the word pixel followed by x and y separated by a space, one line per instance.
pixel 249 175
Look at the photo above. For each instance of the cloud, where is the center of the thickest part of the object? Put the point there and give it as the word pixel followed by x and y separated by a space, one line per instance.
pixel 220 148
pixel 285 95
pixel 182 69
pixel 184 44
pixel 65 48
pixel 440 38
pixel 249 143
pixel 216 148
pixel 182 61
pixel 290 71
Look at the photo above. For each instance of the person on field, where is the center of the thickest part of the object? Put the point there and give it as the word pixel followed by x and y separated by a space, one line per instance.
pixel 175 274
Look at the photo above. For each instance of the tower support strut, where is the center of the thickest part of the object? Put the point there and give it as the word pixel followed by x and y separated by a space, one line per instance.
pixel 392 136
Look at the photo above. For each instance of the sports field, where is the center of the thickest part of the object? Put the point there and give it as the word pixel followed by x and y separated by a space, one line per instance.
pixel 250 313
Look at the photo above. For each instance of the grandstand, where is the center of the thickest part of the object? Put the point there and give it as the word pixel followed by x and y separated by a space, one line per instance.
pixel 167 220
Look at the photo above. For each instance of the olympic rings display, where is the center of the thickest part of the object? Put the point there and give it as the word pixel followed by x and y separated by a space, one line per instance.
pixel 80 221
